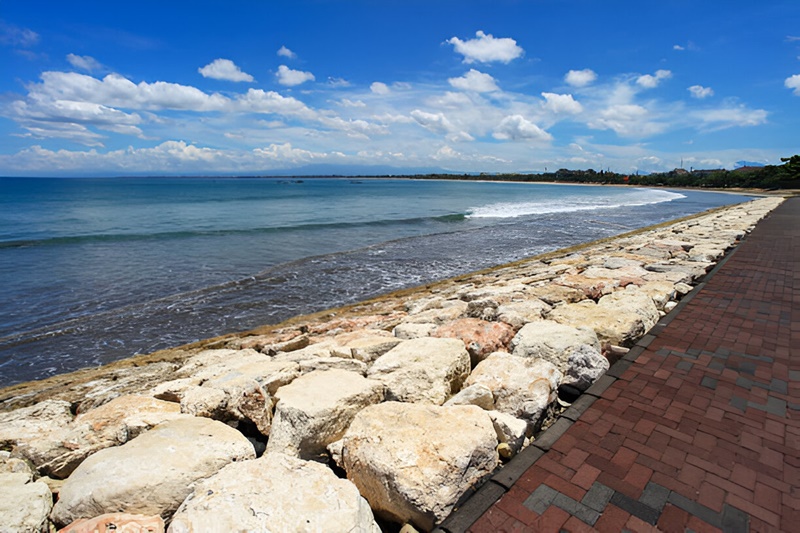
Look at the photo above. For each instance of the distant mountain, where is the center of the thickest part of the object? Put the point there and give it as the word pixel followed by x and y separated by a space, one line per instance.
pixel 740 164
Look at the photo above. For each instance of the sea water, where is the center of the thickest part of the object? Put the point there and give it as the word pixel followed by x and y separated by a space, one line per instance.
pixel 95 270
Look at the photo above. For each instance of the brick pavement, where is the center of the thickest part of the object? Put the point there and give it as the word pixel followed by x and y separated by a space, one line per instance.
pixel 696 429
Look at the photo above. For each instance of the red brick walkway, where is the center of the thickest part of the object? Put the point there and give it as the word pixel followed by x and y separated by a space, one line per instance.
pixel 697 429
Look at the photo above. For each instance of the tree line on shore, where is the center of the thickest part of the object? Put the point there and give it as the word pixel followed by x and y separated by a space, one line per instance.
pixel 784 176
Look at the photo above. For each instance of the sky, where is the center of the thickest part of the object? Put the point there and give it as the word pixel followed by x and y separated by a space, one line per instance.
pixel 252 87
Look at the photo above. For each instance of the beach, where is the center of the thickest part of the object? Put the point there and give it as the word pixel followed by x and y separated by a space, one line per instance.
pixel 453 348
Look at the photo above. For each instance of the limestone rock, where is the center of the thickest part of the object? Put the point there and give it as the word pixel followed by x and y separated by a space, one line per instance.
pixel 592 288
pixel 517 314
pixel 438 316
pixel 521 387
pixel 510 430
pixel 24 505
pixel 553 294
pixel 614 326
pixel 477 394
pixel 244 398
pixel 111 424
pixel 632 300
pixel 36 433
pixel 585 365
pixel 153 473
pixel 331 363
pixel 480 337
pixel 408 330
pixel 364 345
pixel 413 462
pixel 316 409
pixel 117 523
pixel 424 370
pixel 551 341
pixel 274 493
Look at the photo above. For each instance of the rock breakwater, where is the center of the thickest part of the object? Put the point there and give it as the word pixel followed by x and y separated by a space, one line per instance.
pixel 384 413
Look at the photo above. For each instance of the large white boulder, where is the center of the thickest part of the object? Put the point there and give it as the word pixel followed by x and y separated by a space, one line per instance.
pixel 274 493
pixel 620 327
pixel 316 409
pixel 632 300
pixel 153 473
pixel 584 365
pixel 363 345
pixel 413 462
pixel 424 370
pixel 111 424
pixel 518 313
pixel 551 341
pixel 24 505
pixel 521 386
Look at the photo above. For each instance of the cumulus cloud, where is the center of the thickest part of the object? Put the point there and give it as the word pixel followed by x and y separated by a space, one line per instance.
pixel 517 127
pixel 475 81
pixel 678 47
pixel 86 63
pixel 700 92
pixel 580 78
pixel 379 88
pixel 485 48
pixel 561 103
pixel 346 102
pixel 651 81
pixel 729 117
pixel 793 82
pixel 224 69
pixel 435 122
pixel 290 78
pixel 627 120
pixel 285 52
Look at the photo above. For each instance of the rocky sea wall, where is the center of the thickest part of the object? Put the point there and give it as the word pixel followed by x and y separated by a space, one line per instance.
pixel 382 414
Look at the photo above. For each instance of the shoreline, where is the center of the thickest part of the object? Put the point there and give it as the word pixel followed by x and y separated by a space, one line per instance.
pixel 472 369
pixel 179 353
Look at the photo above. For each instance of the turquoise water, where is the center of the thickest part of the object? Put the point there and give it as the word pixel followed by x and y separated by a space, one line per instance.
pixel 94 270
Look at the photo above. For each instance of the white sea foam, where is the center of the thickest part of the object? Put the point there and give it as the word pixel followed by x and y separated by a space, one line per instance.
pixel 568 204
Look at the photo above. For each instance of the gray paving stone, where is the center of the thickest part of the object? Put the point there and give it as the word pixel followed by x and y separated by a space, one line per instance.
pixel 692 507
pixel 576 509
pixel 776 406
pixel 739 403
pixel 684 365
pixel 734 520
pixel 599 387
pixel 540 499
pixel 619 368
pixel 472 509
pixel 552 434
pixel 636 508
pixel 655 496
pixel 597 497
pixel 744 382
pixel 779 386
pixel 579 407
pixel 511 472
pixel 709 382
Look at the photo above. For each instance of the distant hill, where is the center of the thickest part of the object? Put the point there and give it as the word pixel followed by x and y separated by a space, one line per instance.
pixel 357 170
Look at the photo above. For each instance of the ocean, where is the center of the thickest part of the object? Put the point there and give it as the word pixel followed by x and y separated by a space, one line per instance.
pixel 98 269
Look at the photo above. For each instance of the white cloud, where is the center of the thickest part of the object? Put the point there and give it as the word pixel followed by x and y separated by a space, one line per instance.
pixel 379 88
pixel 700 92
pixel 475 81
pixel 678 47
pixel 561 103
pixel 649 82
pixel 485 48
pixel 580 78
pixel 285 52
pixel 290 78
pixel 517 127
pixel 793 82
pixel 270 102
pixel 86 63
pixel 435 122
pixel 729 117
pixel 346 102
pixel 338 82
pixel 16 36
pixel 224 69
pixel 627 120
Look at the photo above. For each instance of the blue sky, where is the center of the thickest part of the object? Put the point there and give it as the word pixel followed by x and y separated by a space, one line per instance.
pixel 212 87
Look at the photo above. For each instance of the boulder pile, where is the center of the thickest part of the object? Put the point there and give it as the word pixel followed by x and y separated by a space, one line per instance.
pixel 365 419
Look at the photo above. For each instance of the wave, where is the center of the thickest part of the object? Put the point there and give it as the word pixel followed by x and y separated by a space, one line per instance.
pixel 572 204
pixel 123 237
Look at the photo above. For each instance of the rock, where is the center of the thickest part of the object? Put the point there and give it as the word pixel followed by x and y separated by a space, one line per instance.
pixel 269 373
pixel 13 465
pixel 206 402
pixel 592 288
pixel 413 331
pixel 413 462
pixel 510 430
pixel 683 288
pixel 480 337
pixel 477 394
pixel 424 370
pixel 553 294
pixel 619 327
pixel 36 433
pixel 521 387
pixel 127 380
pixel 316 409
pixel 615 262
pixel 669 306
pixel 24 505
pixel 438 316
pixel 331 363
pixel 111 424
pixel 660 292
pixel 153 473
pixel 365 345
pixel 269 345
pixel 117 523
pixel 551 341
pixel 517 314
pixel 585 365
pixel 632 300
pixel 244 399
pixel 274 493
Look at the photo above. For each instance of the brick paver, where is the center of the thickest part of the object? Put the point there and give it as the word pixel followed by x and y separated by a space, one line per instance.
pixel 700 430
